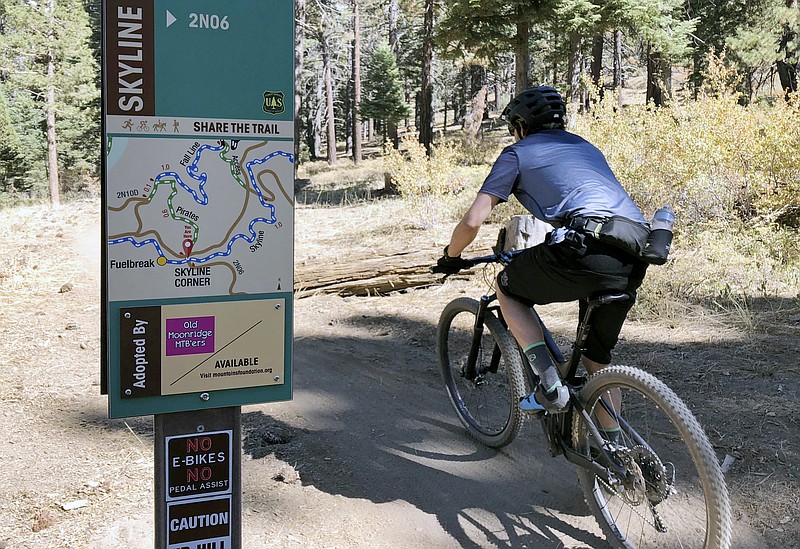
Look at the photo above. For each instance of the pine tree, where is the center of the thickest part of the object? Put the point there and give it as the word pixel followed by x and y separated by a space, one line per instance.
pixel 766 40
pixel 51 75
pixel 382 89
pixel 486 30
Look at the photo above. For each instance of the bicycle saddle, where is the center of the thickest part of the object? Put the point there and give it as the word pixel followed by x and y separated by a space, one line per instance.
pixel 611 297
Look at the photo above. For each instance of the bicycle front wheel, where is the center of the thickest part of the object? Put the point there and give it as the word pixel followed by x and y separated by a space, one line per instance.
pixel 673 493
pixel 487 404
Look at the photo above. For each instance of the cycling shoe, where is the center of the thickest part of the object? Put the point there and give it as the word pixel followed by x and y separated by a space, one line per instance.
pixel 554 402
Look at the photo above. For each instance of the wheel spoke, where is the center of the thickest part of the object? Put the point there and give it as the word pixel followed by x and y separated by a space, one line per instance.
pixel 672 494
pixel 487 404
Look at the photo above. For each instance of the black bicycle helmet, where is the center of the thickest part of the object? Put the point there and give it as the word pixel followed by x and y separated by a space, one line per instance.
pixel 536 109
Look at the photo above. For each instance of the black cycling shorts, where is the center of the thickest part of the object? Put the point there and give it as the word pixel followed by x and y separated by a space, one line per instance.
pixel 577 267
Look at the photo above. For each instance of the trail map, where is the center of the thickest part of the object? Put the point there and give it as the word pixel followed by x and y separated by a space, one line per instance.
pixel 208 218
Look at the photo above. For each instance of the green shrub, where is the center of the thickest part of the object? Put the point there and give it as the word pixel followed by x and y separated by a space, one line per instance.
pixel 432 186
pixel 712 159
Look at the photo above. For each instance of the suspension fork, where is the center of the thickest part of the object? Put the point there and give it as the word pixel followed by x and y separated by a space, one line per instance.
pixel 470 370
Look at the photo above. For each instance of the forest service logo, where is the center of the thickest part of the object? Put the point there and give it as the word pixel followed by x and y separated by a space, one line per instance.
pixel 273 102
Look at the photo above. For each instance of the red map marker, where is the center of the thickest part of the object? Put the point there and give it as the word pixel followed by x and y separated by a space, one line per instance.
pixel 187 247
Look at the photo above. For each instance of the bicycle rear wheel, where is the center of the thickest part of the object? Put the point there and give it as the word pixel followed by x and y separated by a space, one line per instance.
pixel 674 494
pixel 487 405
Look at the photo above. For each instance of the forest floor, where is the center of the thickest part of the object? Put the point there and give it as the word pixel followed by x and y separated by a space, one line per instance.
pixel 368 453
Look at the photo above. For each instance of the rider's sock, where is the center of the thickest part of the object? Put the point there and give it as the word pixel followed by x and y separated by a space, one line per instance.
pixel 542 364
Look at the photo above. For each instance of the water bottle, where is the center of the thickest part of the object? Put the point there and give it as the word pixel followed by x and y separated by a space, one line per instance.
pixel 656 249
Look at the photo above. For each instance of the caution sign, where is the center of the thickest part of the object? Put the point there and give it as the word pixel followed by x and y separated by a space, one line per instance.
pixel 198 465
pixel 200 524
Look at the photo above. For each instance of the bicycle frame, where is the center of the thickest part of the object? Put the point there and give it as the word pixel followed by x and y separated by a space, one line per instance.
pixel 477 333
pixel 606 465
pixel 606 462
pixel 617 468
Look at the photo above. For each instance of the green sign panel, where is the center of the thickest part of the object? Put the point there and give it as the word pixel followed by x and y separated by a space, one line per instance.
pixel 219 59
pixel 198 203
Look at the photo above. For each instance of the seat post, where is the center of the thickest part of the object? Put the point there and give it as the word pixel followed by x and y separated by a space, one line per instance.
pixel 583 329
pixel 584 326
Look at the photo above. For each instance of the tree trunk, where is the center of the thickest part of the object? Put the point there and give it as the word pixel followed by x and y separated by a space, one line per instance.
pixel 574 74
pixel 391 271
pixel 348 118
pixel 312 139
pixel 328 80
pixel 597 65
pixel 52 151
pixel 617 84
pixel 314 119
pixel 788 76
pixel 426 91
pixel 472 122
pixel 394 18
pixel 477 79
pixel 787 72
pixel 522 60
pixel 390 130
pixel 659 79
pixel 371 276
pixel 50 116
pixel 356 83
pixel 299 38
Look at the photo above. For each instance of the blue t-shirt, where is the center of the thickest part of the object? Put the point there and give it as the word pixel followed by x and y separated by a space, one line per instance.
pixel 557 175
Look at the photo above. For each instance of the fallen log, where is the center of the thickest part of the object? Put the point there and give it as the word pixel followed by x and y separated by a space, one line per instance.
pixel 398 271
pixel 367 276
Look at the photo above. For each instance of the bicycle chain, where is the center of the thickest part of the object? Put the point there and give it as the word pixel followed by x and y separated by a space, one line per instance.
pixel 656 523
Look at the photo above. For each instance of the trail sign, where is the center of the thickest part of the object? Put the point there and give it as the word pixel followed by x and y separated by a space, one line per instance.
pixel 198 465
pixel 198 204
pixel 198 484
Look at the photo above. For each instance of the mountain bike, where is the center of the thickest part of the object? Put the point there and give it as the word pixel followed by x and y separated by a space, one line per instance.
pixel 646 468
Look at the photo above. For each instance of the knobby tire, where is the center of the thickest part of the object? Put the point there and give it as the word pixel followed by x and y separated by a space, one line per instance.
pixel 693 508
pixel 489 409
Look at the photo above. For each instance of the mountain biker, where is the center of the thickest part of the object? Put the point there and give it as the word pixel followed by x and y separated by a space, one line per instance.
pixel 561 179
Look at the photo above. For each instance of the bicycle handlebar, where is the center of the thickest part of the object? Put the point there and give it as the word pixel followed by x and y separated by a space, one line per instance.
pixel 502 257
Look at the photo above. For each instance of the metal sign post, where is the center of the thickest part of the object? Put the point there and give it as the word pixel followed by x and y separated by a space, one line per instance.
pixel 198 479
pixel 198 223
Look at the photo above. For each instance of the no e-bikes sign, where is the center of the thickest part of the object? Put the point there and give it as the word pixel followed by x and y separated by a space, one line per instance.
pixel 199 470
pixel 198 465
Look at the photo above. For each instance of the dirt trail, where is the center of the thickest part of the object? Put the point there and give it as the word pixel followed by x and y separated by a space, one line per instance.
pixel 367 454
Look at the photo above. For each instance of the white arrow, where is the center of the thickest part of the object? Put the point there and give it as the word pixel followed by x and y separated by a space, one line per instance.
pixel 170 18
